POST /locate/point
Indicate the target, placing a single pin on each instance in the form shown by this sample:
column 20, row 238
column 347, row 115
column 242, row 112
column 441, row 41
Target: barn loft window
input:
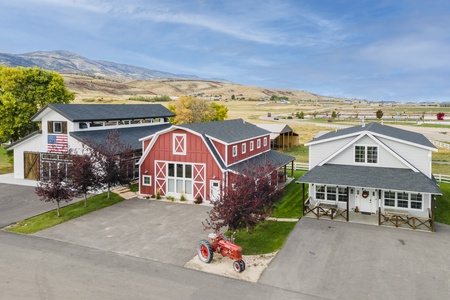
column 366, row 154
column 258, row 143
column 179, row 144
column 56, row 127
column 265, row 142
column 251, row 145
column 234, row 151
column 244, row 148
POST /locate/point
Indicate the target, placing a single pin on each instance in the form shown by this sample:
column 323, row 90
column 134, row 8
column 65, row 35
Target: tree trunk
column 85, row 199
column 57, row 208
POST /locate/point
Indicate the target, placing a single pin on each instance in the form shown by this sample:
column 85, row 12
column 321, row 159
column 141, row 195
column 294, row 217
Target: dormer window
column 234, row 151
column 244, row 148
column 251, row 145
column 265, row 141
column 258, row 143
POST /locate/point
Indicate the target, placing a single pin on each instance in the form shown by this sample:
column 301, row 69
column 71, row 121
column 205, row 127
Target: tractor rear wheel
column 239, row 265
column 205, row 251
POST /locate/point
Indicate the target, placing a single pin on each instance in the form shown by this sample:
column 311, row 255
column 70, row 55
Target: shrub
column 199, row 200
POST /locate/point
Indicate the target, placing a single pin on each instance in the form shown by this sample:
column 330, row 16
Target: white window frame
column 177, row 144
column 60, row 126
column 234, row 151
column 149, row 177
column 252, row 144
column 244, row 148
column 366, row 155
column 258, row 143
column 265, row 141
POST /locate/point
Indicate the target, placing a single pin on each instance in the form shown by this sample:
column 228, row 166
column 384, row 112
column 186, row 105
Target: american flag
column 57, row 143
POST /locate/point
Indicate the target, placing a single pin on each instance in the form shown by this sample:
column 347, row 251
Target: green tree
column 334, row 114
column 23, row 91
column 379, row 114
column 194, row 110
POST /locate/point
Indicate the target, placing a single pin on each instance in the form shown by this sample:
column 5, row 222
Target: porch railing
column 402, row 219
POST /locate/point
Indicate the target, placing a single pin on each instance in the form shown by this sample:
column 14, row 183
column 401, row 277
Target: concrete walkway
column 9, row 179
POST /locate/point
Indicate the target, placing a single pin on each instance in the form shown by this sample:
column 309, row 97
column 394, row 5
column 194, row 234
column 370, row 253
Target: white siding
column 320, row 152
column 36, row 144
column 385, row 158
column 418, row 157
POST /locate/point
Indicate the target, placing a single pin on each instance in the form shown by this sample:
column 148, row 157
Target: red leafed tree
column 113, row 160
column 85, row 177
column 440, row 116
column 247, row 201
column 55, row 189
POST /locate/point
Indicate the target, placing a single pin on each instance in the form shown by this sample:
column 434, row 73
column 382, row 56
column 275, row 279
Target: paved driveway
column 20, row 202
column 161, row 231
column 339, row 260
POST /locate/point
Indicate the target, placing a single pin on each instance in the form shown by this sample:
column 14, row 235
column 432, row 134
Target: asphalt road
column 39, row 268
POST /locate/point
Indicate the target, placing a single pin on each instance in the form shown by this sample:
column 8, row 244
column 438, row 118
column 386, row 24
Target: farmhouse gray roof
column 272, row 158
column 371, row 177
column 228, row 131
column 376, row 128
column 107, row 112
column 128, row 135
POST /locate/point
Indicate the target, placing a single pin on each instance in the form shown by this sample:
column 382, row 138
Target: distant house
column 199, row 160
column 67, row 126
column 372, row 169
column 281, row 135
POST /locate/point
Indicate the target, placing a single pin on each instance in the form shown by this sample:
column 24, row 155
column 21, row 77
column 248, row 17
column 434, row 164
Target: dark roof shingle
column 397, row 133
column 371, row 177
column 228, row 131
column 107, row 112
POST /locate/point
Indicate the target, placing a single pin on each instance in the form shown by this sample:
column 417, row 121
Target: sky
column 384, row 50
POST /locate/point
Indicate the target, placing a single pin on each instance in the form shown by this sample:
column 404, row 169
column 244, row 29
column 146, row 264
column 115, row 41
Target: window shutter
column 64, row 127
column 49, row 126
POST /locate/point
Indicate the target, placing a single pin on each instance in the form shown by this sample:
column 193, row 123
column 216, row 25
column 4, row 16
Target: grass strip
column 442, row 211
column 265, row 238
column 69, row 212
column 291, row 204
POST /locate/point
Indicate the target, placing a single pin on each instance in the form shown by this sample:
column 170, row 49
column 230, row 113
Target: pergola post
column 433, row 204
column 303, row 198
column 348, row 203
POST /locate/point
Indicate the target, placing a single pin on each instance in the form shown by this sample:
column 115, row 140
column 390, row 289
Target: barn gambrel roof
column 228, row 131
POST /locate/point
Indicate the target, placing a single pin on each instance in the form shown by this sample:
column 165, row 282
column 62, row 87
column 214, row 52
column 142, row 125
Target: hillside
column 87, row 87
column 66, row 62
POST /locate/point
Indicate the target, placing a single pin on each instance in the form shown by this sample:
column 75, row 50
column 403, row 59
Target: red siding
column 221, row 149
column 196, row 152
column 248, row 153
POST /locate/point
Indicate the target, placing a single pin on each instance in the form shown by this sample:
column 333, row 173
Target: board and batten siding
column 242, row 156
column 196, row 152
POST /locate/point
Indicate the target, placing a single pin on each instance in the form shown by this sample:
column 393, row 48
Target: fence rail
column 301, row 166
column 440, row 144
column 442, row 177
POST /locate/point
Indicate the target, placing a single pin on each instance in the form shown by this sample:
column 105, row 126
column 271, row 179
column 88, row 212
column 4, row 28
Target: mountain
column 66, row 62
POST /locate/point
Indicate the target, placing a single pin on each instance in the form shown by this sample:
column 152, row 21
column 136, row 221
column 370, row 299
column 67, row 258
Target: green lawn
column 5, row 165
column 290, row 205
column 267, row 237
column 442, row 212
column 68, row 212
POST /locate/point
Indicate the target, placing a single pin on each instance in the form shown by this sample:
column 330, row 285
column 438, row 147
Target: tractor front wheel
column 239, row 265
column 205, row 251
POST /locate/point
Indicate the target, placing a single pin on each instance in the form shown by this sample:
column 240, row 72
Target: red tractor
column 222, row 244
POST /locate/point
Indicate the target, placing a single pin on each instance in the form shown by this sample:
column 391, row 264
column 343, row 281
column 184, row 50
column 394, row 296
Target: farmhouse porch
column 383, row 196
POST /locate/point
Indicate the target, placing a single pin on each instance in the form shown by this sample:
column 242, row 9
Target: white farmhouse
column 372, row 170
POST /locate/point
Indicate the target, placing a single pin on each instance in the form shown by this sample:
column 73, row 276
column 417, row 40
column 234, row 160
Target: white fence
column 301, row 166
column 442, row 178
column 440, row 144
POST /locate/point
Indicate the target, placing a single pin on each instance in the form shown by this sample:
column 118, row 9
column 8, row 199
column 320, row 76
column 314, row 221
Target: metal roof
column 128, row 135
column 106, row 112
column 271, row 157
column 371, row 177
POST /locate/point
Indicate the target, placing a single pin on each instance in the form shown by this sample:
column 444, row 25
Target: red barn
column 197, row 160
